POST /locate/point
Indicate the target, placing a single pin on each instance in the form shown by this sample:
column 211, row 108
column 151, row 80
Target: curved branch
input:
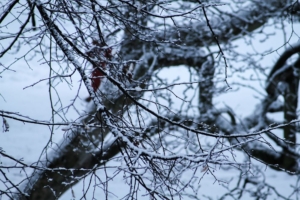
column 20, row 32
column 229, row 27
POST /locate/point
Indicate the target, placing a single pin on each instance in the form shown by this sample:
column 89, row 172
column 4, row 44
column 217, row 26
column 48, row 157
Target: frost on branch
column 155, row 74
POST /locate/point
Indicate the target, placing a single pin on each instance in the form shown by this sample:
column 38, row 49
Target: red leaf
column 97, row 76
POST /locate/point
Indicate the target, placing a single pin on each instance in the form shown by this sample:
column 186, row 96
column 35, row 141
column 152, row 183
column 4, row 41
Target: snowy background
column 26, row 141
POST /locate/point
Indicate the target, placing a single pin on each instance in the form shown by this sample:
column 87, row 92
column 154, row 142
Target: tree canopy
column 154, row 72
